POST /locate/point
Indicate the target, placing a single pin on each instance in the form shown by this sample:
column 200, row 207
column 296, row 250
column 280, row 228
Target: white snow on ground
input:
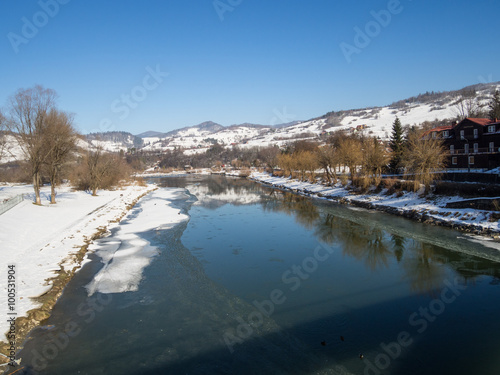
column 39, row 240
column 433, row 207
column 126, row 254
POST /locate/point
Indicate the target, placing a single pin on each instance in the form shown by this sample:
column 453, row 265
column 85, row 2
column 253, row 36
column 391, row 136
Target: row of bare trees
column 363, row 160
column 45, row 134
column 469, row 104
column 48, row 140
column 360, row 157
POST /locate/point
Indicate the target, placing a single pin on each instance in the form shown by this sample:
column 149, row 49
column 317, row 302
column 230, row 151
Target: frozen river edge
column 46, row 245
column 429, row 210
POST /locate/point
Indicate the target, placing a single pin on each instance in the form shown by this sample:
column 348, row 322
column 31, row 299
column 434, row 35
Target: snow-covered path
column 38, row 241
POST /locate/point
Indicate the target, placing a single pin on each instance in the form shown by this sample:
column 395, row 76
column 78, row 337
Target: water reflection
column 424, row 268
column 367, row 241
column 215, row 192
column 177, row 320
column 365, row 244
column 398, row 245
column 301, row 208
column 377, row 240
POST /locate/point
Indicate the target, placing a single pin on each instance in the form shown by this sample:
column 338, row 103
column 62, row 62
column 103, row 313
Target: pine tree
column 397, row 143
column 494, row 106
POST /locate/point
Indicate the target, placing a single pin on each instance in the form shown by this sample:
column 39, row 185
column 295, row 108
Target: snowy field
column 39, row 241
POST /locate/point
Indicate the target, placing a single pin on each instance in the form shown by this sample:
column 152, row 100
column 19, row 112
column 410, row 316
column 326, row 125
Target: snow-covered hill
column 376, row 121
column 11, row 150
column 115, row 141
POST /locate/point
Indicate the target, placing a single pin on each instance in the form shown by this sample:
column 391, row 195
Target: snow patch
column 40, row 240
column 126, row 253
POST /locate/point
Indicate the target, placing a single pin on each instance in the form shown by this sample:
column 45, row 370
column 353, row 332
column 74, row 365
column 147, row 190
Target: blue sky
column 161, row 65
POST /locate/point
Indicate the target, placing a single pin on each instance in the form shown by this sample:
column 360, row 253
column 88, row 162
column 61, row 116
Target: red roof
column 480, row 121
column 438, row 129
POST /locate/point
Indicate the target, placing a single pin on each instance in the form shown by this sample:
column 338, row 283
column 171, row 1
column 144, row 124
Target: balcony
column 484, row 150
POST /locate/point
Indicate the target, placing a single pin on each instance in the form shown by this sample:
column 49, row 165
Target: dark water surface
column 260, row 281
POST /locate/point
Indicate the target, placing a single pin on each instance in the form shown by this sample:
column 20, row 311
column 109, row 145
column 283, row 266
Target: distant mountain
column 278, row 126
column 375, row 121
column 248, row 125
column 209, row 126
column 115, row 141
column 150, row 134
column 206, row 127
column 432, row 107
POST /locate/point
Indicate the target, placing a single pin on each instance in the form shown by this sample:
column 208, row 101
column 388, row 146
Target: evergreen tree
column 494, row 106
column 397, row 144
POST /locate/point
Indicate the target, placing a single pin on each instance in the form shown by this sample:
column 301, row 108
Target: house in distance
column 473, row 143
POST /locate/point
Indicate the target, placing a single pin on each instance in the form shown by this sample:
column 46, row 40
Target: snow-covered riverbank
column 42, row 242
column 412, row 205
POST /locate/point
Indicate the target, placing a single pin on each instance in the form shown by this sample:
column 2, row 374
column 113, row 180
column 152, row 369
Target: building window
column 476, row 148
column 491, row 128
column 462, row 134
column 492, row 147
column 452, row 149
column 471, row 160
column 454, row 160
column 466, row 148
column 434, row 135
column 445, row 134
column 476, row 133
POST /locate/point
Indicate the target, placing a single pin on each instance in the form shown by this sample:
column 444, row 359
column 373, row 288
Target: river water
column 261, row 281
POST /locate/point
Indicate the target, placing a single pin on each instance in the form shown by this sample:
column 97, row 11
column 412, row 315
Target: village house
column 473, row 143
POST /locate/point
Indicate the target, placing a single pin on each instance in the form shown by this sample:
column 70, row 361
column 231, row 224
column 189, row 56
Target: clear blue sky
column 258, row 61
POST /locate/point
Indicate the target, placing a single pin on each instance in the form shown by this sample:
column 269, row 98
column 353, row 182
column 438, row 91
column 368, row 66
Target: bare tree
column 285, row 162
column 60, row 142
column 351, row 154
column 467, row 105
column 424, row 159
column 328, row 160
column 99, row 165
column 269, row 155
column 307, row 162
column 375, row 159
column 28, row 111
column 3, row 138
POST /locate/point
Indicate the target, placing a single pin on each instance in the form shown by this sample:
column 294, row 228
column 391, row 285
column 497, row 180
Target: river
column 262, row 281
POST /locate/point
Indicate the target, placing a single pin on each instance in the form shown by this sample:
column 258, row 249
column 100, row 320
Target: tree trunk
column 94, row 191
column 36, row 187
column 327, row 173
column 52, row 194
column 52, row 190
column 53, row 182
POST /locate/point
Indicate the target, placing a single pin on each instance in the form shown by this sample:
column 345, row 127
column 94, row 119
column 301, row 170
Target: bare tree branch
column 467, row 105
column 60, row 141
column 28, row 112
column 3, row 138
column 424, row 159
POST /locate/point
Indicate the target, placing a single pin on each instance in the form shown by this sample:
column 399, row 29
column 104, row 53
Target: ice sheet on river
column 177, row 319
column 125, row 254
